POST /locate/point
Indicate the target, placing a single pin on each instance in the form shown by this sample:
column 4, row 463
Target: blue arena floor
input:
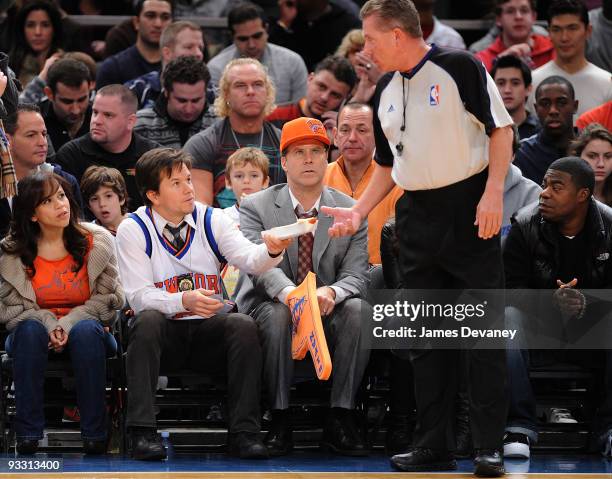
column 569, row 464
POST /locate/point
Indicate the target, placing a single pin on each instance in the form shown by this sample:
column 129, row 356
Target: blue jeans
column 522, row 413
column 88, row 346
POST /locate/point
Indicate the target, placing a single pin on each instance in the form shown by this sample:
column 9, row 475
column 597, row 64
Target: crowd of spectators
column 186, row 153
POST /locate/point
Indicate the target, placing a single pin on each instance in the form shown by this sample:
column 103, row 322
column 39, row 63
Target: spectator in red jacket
column 515, row 18
column 601, row 114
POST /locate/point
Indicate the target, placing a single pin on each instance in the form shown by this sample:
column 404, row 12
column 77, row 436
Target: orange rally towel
column 307, row 331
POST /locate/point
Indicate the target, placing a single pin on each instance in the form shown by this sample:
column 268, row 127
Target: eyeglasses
column 246, row 38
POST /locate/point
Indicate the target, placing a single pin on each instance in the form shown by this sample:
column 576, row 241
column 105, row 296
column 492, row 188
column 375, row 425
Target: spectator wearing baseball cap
column 304, row 130
column 341, row 267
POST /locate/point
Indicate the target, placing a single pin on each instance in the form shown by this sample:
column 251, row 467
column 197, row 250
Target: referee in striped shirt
column 444, row 136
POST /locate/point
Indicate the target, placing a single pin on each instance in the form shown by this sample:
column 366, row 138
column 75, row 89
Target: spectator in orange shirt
column 516, row 18
column 352, row 171
column 60, row 287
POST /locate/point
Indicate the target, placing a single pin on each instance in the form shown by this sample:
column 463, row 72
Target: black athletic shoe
column 489, row 463
column 424, row 460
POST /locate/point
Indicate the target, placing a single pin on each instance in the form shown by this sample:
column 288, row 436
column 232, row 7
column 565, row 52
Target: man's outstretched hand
column 346, row 221
column 275, row 245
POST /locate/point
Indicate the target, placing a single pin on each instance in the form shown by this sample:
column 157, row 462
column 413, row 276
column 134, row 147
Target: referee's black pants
column 440, row 249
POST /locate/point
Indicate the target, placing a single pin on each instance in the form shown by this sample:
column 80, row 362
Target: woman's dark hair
column 20, row 46
column 594, row 131
column 23, row 236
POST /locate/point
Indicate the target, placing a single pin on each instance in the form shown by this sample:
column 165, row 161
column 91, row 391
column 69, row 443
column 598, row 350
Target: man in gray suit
column 341, row 267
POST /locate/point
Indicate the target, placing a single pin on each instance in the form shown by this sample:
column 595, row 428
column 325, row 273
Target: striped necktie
column 175, row 235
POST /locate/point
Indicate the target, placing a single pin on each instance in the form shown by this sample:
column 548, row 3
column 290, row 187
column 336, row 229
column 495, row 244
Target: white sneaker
column 560, row 416
column 516, row 445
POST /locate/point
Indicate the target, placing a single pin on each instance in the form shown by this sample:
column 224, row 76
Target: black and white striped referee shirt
column 452, row 105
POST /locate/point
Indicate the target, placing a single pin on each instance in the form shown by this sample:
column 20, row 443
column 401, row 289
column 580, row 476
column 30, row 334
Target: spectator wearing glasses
column 249, row 29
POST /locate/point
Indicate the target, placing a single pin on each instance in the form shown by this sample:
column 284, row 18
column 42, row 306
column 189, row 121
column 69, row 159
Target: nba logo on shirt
column 434, row 95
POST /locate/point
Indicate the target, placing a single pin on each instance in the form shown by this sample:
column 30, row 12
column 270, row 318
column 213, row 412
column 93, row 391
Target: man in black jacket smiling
column 562, row 244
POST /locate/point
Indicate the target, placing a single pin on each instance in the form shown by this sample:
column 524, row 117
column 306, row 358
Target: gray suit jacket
column 339, row 262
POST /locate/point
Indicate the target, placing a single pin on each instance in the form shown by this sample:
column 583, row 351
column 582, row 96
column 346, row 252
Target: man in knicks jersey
column 170, row 254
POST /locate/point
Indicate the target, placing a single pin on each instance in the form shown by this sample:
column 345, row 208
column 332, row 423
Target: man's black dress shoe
column 27, row 446
column 279, row 439
column 489, row 463
column 147, row 445
column 341, row 435
column 424, row 460
column 246, row 445
column 94, row 448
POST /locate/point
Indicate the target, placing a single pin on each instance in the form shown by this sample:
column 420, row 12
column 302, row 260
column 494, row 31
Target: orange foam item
column 307, row 330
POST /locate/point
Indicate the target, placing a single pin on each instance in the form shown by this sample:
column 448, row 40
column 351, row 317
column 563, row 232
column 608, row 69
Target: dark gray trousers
column 344, row 340
column 224, row 345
